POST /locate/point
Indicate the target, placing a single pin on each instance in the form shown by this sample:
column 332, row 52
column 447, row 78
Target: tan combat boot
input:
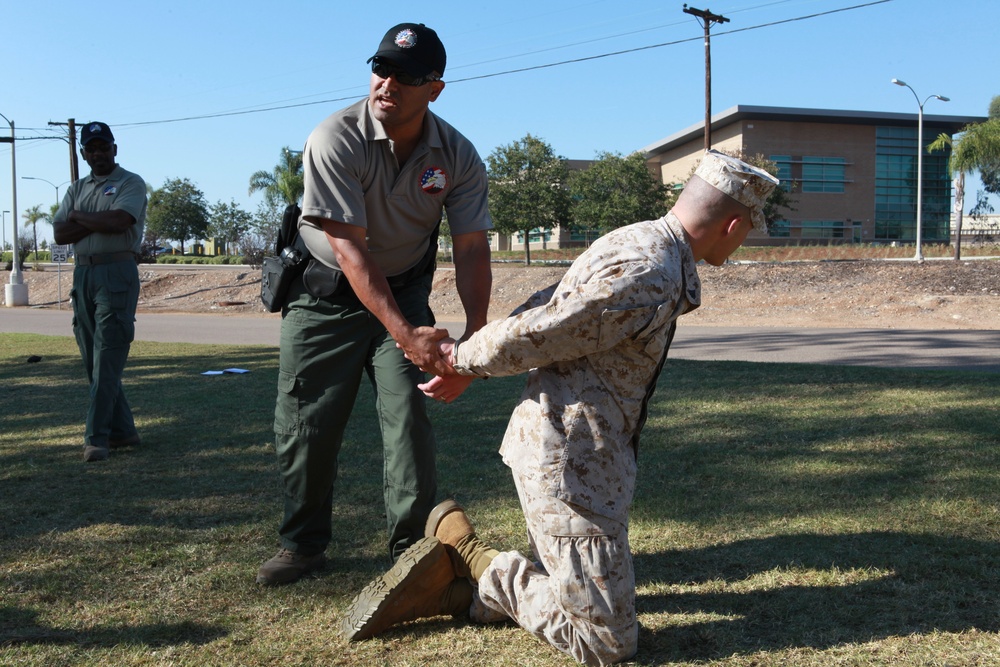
column 449, row 523
column 421, row 584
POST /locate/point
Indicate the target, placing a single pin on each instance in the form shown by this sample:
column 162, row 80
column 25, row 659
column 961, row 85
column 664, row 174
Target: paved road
column 890, row 348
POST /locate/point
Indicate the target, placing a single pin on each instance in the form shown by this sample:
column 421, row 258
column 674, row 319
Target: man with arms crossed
column 103, row 215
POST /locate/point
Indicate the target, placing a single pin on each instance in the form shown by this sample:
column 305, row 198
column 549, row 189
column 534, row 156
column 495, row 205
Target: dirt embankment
column 940, row 294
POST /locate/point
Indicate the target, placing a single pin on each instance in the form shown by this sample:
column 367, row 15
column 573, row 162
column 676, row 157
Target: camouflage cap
column 745, row 183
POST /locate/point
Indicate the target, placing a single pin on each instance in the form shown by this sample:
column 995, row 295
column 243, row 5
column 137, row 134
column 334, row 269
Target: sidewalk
column 968, row 350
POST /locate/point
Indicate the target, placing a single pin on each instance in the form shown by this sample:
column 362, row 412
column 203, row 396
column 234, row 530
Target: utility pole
column 707, row 19
column 74, row 164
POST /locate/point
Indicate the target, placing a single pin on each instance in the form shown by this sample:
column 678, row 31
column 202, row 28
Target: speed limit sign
column 60, row 253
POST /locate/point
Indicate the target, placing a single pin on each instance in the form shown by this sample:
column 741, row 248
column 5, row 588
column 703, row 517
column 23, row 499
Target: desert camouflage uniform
column 596, row 342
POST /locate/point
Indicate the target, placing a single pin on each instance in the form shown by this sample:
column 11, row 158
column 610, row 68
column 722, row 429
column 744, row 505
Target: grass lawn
column 786, row 515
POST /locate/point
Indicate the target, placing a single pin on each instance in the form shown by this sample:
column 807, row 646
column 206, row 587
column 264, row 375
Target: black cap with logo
column 415, row 48
column 96, row 130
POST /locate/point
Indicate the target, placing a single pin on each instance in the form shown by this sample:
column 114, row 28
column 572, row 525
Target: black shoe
column 130, row 441
column 91, row 453
column 288, row 566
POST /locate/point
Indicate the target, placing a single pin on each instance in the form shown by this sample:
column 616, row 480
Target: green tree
column 228, row 222
column 23, row 249
column 976, row 149
column 285, row 183
column 258, row 242
column 528, row 188
column 616, row 191
column 32, row 217
column 177, row 211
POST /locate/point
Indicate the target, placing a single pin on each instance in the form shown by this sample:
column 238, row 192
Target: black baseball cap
column 414, row 47
column 96, row 130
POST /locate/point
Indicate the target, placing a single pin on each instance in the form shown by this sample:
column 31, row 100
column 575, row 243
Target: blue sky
column 143, row 66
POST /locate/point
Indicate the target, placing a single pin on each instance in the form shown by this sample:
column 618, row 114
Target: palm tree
column 977, row 149
column 285, row 184
column 31, row 217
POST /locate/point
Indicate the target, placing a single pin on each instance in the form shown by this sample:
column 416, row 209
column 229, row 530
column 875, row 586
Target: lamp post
column 35, row 178
column 920, row 159
column 16, row 293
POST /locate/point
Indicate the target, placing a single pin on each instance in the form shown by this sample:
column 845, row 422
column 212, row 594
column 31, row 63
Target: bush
column 36, row 257
column 147, row 253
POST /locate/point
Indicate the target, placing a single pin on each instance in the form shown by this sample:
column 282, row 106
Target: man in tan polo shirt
column 103, row 214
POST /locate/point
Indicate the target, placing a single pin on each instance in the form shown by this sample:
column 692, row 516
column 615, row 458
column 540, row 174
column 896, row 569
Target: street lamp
column 35, row 178
column 16, row 293
column 920, row 159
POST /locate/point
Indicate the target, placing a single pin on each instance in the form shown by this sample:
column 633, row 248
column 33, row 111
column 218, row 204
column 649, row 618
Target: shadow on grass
column 916, row 584
column 729, row 448
column 20, row 627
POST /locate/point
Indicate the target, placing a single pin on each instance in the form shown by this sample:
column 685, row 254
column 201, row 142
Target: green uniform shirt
column 119, row 190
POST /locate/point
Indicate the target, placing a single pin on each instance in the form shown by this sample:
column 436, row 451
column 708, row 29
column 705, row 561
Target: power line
column 225, row 114
column 673, row 43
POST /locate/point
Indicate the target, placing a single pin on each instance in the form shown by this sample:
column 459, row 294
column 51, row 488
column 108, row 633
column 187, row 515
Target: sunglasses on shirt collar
column 384, row 70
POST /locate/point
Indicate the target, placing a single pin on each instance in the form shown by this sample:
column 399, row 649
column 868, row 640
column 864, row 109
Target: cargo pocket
column 286, row 408
column 120, row 328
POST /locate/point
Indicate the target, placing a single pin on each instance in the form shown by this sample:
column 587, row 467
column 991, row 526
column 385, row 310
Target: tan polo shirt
column 119, row 190
column 351, row 176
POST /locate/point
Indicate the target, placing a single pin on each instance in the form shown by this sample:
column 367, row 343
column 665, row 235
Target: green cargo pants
column 326, row 345
column 104, row 301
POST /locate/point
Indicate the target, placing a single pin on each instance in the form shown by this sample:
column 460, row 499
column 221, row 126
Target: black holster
column 291, row 257
column 321, row 281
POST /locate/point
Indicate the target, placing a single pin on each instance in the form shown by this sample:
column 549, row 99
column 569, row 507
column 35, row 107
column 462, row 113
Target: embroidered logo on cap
column 95, row 128
column 110, row 191
column 406, row 38
column 434, row 180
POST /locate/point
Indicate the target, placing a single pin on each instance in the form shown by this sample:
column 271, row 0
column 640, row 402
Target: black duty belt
column 105, row 258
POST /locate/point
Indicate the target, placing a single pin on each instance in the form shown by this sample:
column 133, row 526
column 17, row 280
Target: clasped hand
column 447, row 384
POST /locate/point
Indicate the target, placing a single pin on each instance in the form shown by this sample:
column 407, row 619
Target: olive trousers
column 327, row 344
column 104, row 300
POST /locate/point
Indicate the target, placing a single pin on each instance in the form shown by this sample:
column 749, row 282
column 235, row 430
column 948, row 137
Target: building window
column 784, row 163
column 822, row 174
column 896, row 187
column 586, row 236
column 536, row 235
column 780, row 229
column 822, row 229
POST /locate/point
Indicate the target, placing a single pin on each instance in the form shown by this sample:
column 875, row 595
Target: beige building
column 851, row 174
column 981, row 229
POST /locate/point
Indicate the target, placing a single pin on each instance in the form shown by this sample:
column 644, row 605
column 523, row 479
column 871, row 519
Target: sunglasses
column 93, row 148
column 384, row 70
